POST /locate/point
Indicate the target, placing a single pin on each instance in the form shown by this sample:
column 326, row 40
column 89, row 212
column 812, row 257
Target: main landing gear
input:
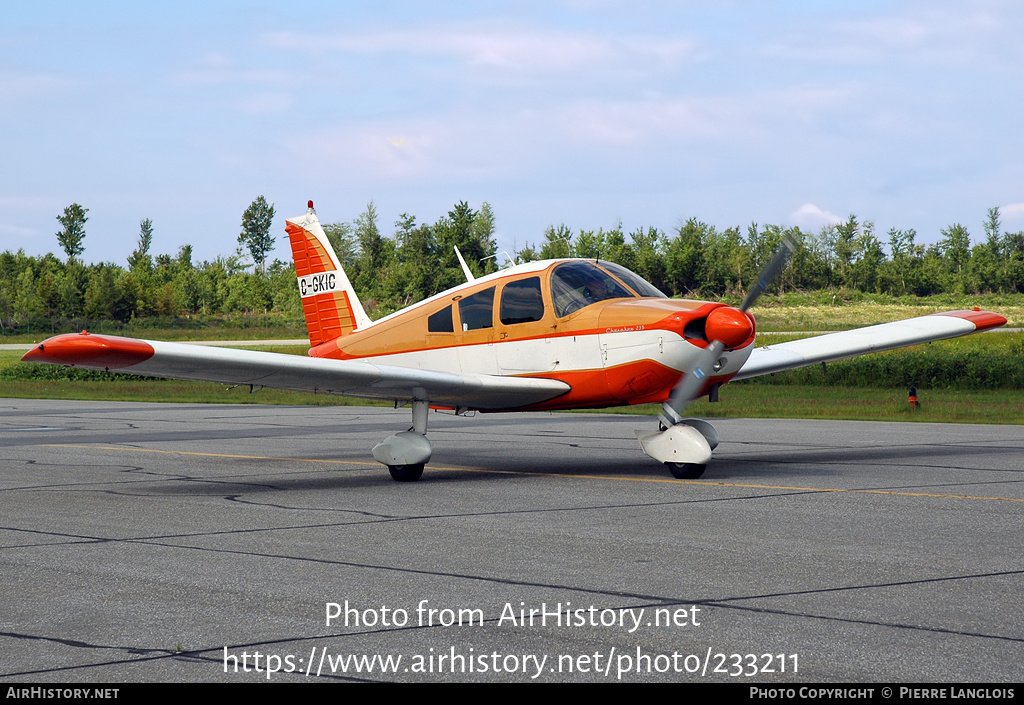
column 407, row 452
column 683, row 445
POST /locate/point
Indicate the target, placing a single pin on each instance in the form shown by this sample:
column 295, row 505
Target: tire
column 686, row 471
column 406, row 473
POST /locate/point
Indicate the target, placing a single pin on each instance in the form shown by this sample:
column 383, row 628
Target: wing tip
column 88, row 350
column 982, row 320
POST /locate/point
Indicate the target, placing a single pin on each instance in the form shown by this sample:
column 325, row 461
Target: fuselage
column 598, row 327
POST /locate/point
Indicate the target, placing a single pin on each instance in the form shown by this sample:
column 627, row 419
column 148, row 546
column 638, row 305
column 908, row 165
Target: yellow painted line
column 707, row 483
column 208, row 455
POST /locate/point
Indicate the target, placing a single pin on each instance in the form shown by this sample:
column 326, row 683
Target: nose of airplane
column 730, row 325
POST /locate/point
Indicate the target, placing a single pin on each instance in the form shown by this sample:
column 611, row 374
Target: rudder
column 329, row 302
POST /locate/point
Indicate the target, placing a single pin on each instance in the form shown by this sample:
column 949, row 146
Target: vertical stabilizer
column 329, row 302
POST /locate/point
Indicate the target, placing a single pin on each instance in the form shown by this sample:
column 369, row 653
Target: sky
column 583, row 112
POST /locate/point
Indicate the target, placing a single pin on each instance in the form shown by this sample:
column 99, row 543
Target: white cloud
column 17, row 86
column 218, row 70
column 530, row 50
column 632, row 122
column 1012, row 212
column 934, row 34
column 811, row 218
column 266, row 103
column 16, row 231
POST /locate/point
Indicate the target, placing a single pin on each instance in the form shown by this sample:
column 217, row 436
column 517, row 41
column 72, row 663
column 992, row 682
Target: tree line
column 699, row 261
column 418, row 259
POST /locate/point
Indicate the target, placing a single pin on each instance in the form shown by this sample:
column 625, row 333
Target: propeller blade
column 690, row 384
column 768, row 274
column 695, row 378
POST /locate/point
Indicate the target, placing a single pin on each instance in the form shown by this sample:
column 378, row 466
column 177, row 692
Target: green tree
column 26, row 302
column 72, row 231
column 461, row 228
column 868, row 258
column 990, row 262
column 483, row 233
column 371, row 242
column 416, row 273
column 369, row 275
column 255, row 235
column 905, row 258
column 343, row 242
column 101, row 295
column 992, row 226
column 140, row 261
column 557, row 242
column 684, row 259
column 955, row 247
column 649, row 259
column 617, row 250
column 1012, row 245
column 808, row 265
column 527, row 253
column 72, row 290
column 723, row 257
column 589, row 244
column 842, row 239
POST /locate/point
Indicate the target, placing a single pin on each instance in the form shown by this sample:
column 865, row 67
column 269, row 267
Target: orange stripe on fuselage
column 593, row 388
column 538, row 330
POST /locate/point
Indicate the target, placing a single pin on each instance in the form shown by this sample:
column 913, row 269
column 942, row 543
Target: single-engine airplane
column 554, row 334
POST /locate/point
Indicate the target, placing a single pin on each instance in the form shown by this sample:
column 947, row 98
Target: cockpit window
column 633, row 281
column 521, row 302
column 578, row 284
column 476, row 311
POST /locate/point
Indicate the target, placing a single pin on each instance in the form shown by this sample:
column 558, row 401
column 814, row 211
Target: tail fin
column 330, row 303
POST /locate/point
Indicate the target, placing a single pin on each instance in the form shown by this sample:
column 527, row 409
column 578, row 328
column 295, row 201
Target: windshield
column 634, row 281
column 578, row 284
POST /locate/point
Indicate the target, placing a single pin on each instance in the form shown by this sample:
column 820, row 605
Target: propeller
column 725, row 327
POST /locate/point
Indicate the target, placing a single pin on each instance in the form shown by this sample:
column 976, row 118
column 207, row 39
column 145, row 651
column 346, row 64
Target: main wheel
column 685, row 471
column 407, row 473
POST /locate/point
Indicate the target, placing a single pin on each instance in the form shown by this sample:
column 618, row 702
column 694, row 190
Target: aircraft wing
column 356, row 378
column 850, row 343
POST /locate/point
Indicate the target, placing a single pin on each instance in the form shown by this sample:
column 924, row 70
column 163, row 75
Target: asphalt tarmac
column 167, row 542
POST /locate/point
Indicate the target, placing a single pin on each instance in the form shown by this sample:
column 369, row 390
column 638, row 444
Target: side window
column 477, row 311
column 441, row 322
column 521, row 302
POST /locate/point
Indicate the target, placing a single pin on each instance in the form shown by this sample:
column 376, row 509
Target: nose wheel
column 682, row 471
column 406, row 473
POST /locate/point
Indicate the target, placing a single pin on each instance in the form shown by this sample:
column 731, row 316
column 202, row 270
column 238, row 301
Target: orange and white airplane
column 554, row 334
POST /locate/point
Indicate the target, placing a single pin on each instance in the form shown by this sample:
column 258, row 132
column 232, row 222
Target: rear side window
column 477, row 311
column 521, row 302
column 441, row 322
